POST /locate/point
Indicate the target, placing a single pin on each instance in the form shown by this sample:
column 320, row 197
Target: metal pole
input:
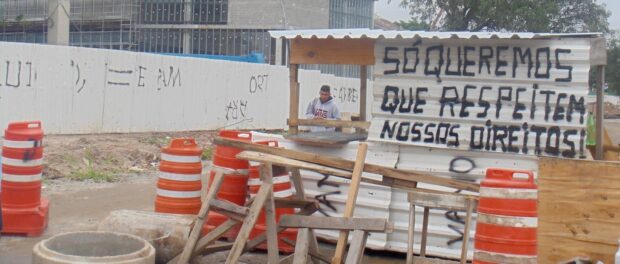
column 600, row 112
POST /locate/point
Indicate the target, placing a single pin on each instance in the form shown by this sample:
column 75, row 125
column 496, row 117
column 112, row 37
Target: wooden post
column 242, row 238
column 351, row 199
column 363, row 91
column 302, row 246
column 197, row 229
column 294, row 99
column 356, row 250
column 411, row 231
column 266, row 175
column 301, row 194
column 600, row 112
column 424, row 232
column 470, row 208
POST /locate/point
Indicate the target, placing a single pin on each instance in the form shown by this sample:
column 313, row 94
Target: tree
column 612, row 70
column 413, row 24
column 561, row 16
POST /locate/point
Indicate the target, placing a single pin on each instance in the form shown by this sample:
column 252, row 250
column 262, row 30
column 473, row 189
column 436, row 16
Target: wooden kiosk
column 329, row 51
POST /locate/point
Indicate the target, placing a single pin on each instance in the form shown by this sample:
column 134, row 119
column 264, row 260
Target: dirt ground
column 103, row 157
column 88, row 176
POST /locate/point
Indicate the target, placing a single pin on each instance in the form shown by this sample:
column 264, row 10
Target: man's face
column 324, row 96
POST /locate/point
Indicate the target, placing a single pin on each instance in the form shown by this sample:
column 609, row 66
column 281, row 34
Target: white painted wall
column 79, row 90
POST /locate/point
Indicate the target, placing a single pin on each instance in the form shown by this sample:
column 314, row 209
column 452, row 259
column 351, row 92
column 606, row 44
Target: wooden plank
column 287, row 260
column 363, row 92
column 326, row 138
column 204, row 209
column 333, row 51
column 262, row 157
column 293, row 98
column 578, row 210
column 315, row 254
column 302, row 246
column 465, row 246
column 356, row 249
column 440, row 200
column 335, row 223
column 266, row 175
column 330, row 123
column 600, row 111
column 256, row 240
column 343, row 164
column 215, row 234
column 297, row 183
column 349, row 206
column 229, row 209
column 238, row 247
column 424, row 232
column 262, row 237
column 295, row 203
column 301, row 194
column 410, row 230
column 208, row 239
column 217, row 248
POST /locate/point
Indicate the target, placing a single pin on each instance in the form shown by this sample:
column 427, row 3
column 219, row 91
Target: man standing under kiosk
column 323, row 107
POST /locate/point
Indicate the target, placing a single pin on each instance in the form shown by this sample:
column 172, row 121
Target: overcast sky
column 393, row 12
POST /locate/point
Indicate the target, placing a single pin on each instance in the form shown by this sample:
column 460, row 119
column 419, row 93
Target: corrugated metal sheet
column 483, row 95
column 382, row 34
column 373, row 200
column 378, row 201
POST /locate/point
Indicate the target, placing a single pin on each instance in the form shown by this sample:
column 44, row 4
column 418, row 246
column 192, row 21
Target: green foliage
column 207, row 153
column 560, row 16
column 158, row 141
column 413, row 24
column 612, row 70
column 94, row 175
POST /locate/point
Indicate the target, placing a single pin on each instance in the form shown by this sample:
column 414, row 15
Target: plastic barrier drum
column 23, row 209
column 282, row 188
column 507, row 218
column 179, row 184
column 234, row 186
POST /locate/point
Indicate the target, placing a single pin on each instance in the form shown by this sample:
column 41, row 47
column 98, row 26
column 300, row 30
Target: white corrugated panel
column 80, row 90
column 377, row 201
column 357, row 33
column 517, row 96
column 457, row 107
column 373, row 200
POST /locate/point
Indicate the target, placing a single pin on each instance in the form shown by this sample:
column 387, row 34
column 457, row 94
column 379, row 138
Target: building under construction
column 214, row 27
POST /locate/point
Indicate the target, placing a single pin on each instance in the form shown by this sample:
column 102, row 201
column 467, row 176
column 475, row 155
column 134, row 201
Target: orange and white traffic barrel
column 234, row 185
column 24, row 211
column 179, row 184
column 507, row 218
column 282, row 188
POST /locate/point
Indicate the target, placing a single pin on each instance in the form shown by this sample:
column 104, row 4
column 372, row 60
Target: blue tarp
column 251, row 58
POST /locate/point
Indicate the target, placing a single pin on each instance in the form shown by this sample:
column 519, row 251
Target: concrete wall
column 79, row 90
column 269, row 14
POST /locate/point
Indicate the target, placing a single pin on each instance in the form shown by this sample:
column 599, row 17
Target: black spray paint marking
column 120, row 73
column 141, row 76
column 259, row 83
column 236, row 109
column 78, row 77
column 17, row 76
column 170, row 78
